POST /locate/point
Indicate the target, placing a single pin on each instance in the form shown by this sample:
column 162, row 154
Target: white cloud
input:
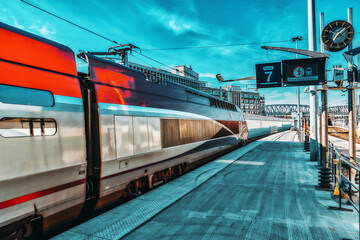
column 16, row 23
column 176, row 22
column 182, row 25
column 44, row 30
column 173, row 25
column 209, row 75
column 225, row 51
column 280, row 96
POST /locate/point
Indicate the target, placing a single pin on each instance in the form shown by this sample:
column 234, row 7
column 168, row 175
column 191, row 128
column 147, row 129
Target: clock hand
column 336, row 35
column 341, row 34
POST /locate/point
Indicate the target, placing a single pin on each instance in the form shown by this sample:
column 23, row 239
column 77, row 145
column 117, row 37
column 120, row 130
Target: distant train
column 73, row 143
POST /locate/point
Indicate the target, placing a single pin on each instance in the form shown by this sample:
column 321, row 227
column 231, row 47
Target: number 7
column 268, row 78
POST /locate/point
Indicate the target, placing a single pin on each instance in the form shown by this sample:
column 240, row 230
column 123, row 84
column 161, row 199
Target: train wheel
column 150, row 181
column 23, row 231
column 17, row 234
column 132, row 189
column 28, row 230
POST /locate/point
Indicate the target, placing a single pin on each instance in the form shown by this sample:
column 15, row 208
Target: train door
column 42, row 140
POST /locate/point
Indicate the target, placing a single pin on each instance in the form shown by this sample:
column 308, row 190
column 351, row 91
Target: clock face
column 337, row 35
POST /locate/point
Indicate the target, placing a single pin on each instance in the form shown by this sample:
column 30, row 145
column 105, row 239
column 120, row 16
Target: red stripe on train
column 113, row 76
column 106, row 94
column 38, row 194
column 39, row 52
column 23, row 76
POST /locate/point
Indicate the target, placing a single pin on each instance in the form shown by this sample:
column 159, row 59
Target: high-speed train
column 73, row 143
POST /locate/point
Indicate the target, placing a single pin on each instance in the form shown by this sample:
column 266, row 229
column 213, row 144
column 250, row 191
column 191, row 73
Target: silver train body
column 74, row 143
column 264, row 125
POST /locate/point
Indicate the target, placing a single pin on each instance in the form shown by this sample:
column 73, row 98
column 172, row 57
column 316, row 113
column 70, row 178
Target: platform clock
column 337, row 35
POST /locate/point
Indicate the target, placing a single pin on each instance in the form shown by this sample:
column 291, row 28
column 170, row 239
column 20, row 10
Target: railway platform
column 263, row 190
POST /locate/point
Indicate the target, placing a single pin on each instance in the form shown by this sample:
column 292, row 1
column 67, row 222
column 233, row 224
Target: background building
column 251, row 102
column 185, row 71
column 247, row 101
column 180, row 74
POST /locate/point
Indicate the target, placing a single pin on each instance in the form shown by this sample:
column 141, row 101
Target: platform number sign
column 268, row 75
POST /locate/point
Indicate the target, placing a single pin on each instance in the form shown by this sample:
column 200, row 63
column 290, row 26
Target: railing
column 342, row 171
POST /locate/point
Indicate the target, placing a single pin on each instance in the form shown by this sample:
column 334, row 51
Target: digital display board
column 304, row 72
column 268, row 75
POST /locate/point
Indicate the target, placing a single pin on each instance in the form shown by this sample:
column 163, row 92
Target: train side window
column 141, row 141
column 154, row 134
column 25, row 96
column 27, row 127
column 124, row 136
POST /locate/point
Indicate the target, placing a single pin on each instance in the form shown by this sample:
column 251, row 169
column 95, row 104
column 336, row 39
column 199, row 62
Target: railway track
column 342, row 133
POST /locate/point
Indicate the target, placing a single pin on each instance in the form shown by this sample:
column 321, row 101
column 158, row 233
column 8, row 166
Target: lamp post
column 313, row 97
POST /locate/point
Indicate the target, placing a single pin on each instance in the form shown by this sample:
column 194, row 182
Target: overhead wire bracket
column 298, row 51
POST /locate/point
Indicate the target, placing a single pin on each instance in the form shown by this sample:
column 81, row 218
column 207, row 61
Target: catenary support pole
column 313, row 102
column 125, row 58
column 324, row 129
column 324, row 171
column 324, row 113
column 319, row 116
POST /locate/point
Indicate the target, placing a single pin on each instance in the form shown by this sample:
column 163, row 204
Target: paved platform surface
column 264, row 190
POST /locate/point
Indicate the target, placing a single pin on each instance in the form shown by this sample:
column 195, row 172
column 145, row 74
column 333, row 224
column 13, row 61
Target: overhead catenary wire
column 214, row 46
column 158, row 49
column 221, row 45
column 155, row 49
column 154, row 60
column 72, row 23
column 86, row 29
column 147, row 64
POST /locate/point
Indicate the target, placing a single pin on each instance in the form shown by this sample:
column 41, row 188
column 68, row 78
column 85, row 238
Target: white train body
column 73, row 143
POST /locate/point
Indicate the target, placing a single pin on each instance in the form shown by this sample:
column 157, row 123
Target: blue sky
column 155, row 24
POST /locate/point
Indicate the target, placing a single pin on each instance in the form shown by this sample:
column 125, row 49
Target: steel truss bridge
column 287, row 109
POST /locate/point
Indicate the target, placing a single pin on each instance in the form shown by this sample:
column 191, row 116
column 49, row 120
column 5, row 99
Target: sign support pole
column 313, row 102
column 298, row 101
column 298, row 113
column 296, row 40
column 320, row 116
column 351, row 107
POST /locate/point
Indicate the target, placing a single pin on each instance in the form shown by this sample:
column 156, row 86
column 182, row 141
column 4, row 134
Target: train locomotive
column 73, row 143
